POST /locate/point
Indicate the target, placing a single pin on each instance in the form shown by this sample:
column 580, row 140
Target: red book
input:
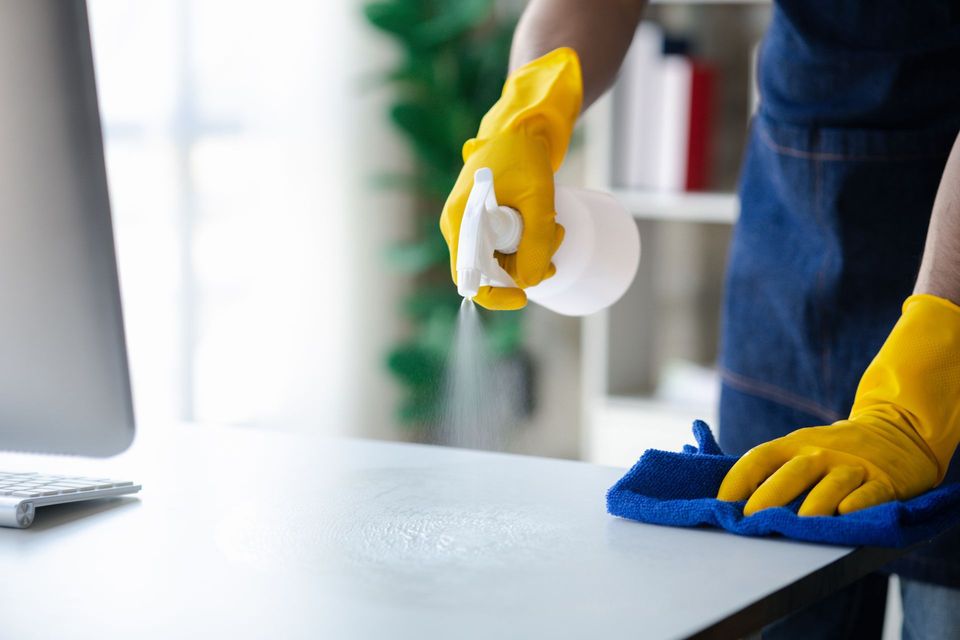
column 700, row 125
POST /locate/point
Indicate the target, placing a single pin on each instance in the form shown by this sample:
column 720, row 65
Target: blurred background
column 277, row 172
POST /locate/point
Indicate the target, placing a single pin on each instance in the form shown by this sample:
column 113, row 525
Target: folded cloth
column 679, row 490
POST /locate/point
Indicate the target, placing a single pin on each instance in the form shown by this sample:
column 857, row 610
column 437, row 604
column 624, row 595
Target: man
column 848, row 181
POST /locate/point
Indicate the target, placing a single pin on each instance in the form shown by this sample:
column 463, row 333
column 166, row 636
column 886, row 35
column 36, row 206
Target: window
column 226, row 129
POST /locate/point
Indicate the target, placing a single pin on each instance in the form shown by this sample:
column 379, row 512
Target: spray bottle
column 596, row 261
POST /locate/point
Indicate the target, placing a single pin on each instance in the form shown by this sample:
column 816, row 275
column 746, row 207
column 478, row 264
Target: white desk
column 291, row 537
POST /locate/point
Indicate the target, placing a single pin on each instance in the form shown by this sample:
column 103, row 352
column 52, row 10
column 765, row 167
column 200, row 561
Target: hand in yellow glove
column 898, row 441
column 523, row 140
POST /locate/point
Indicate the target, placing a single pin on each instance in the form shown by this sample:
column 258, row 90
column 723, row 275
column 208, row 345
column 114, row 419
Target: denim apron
column 860, row 105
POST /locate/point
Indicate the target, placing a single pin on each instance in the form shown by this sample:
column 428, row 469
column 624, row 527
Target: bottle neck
column 506, row 226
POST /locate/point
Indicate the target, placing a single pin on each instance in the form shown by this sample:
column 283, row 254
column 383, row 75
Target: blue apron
column 860, row 105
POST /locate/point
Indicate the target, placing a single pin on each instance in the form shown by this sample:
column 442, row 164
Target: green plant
column 455, row 55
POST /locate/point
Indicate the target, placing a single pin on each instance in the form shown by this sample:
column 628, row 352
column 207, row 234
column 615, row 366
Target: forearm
column 599, row 31
column 940, row 269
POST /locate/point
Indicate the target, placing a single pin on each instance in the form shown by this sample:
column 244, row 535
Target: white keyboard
column 22, row 493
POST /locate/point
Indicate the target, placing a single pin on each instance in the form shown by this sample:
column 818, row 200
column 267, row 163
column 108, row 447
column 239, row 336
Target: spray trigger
column 486, row 228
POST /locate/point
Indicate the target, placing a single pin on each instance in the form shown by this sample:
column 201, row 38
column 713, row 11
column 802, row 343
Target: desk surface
column 250, row 534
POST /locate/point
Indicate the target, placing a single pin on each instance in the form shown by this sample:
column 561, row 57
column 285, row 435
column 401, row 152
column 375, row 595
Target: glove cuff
column 543, row 97
column 915, row 378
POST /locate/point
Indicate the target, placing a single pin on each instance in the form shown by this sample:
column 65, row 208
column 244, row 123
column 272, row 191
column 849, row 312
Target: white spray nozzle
column 485, row 229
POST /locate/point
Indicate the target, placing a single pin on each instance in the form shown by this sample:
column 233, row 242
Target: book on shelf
column 663, row 117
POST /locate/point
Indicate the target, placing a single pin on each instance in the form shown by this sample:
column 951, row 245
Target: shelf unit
column 707, row 207
column 709, row 2
column 684, row 237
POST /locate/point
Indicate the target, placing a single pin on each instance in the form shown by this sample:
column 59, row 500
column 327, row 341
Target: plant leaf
column 422, row 302
column 428, row 127
column 417, row 257
column 415, row 365
column 397, row 18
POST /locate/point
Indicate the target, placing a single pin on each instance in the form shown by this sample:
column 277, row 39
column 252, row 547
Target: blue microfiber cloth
column 679, row 490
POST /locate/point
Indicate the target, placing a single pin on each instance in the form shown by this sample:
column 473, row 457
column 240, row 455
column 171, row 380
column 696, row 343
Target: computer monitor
column 64, row 381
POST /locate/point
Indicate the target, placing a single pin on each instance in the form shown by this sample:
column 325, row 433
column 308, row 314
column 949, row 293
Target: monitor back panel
column 64, row 382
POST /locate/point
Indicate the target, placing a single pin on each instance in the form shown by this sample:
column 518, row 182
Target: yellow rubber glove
column 523, row 140
column 897, row 442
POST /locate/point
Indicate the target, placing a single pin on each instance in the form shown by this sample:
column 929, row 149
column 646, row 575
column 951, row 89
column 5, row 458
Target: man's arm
column 565, row 54
column 599, row 31
column 940, row 269
column 904, row 425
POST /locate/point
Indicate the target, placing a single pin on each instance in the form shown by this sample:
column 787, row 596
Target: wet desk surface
column 250, row 534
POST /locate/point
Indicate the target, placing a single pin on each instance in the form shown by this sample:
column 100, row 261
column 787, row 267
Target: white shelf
column 708, row 207
column 639, row 405
column 622, row 428
column 710, row 1
column 617, row 429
